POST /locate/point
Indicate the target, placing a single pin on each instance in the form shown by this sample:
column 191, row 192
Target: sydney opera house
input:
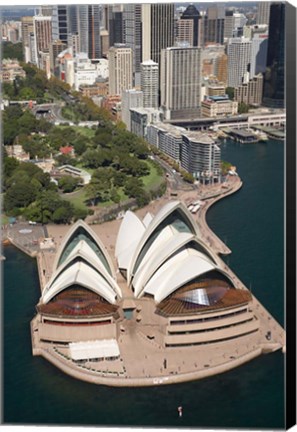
column 164, row 308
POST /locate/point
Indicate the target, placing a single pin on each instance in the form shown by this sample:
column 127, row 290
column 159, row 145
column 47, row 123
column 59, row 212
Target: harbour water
column 251, row 396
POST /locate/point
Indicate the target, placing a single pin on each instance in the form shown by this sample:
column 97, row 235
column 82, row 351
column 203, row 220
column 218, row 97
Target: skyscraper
column 259, row 37
column 181, row 82
column 185, row 31
column 115, row 24
column 263, row 12
column 274, row 78
column 239, row 59
column 56, row 47
column 27, row 28
column 132, row 36
column 88, row 26
column 130, row 99
column 193, row 15
column 150, row 83
column 42, row 34
column 120, row 69
column 60, row 23
column 214, row 24
column 157, row 29
column 94, row 14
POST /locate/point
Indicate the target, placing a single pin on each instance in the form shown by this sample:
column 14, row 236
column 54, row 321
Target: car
column 32, row 223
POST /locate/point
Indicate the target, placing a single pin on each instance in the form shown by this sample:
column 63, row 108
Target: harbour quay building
column 195, row 151
column 164, row 292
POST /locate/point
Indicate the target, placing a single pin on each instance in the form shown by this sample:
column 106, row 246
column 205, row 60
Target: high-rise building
column 94, row 15
column 221, row 68
column 88, row 24
column 251, row 92
column 72, row 11
column 130, row 99
column 184, row 31
column 45, row 10
column 150, row 83
column 27, row 28
column 60, row 23
column 42, row 34
column 132, row 36
column 55, row 48
column 157, row 29
column 200, row 156
column 192, row 14
column 32, row 48
column 120, row 58
column 104, row 42
column 214, row 24
column 229, row 24
column 44, row 63
column 263, row 12
column 74, row 43
column 239, row 59
column 259, row 38
column 274, row 78
column 181, row 82
column 115, row 24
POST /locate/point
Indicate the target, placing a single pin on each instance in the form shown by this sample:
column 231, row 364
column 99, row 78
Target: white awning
column 94, row 349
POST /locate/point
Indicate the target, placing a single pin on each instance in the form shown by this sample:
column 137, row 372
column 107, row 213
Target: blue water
column 251, row 396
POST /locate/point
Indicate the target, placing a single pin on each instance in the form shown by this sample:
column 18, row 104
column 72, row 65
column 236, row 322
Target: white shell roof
column 152, row 263
column 81, row 223
column 124, row 258
column 85, row 252
column 160, row 216
column 176, row 272
column 130, row 232
column 147, row 219
column 83, row 275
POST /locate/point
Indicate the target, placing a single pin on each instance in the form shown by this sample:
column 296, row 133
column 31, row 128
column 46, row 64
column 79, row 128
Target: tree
column 80, row 213
column 19, row 195
column 63, row 214
column 243, row 108
column 114, row 196
column 68, row 183
column 230, row 92
column 12, row 51
column 27, row 93
column 80, row 145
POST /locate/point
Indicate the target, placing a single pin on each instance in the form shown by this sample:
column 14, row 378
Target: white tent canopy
column 94, row 349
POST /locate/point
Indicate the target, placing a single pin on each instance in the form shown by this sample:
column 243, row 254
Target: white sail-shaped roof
column 124, row 258
column 152, row 263
column 130, row 232
column 80, row 224
column 85, row 253
column 147, row 219
column 165, row 211
column 176, row 272
column 83, row 275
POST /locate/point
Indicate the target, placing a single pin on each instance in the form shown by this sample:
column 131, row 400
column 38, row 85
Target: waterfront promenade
column 141, row 362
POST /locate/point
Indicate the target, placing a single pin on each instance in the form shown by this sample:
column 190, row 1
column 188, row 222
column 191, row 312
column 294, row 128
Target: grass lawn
column 4, row 219
column 84, row 131
column 152, row 180
column 68, row 114
column 77, row 198
column 89, row 170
